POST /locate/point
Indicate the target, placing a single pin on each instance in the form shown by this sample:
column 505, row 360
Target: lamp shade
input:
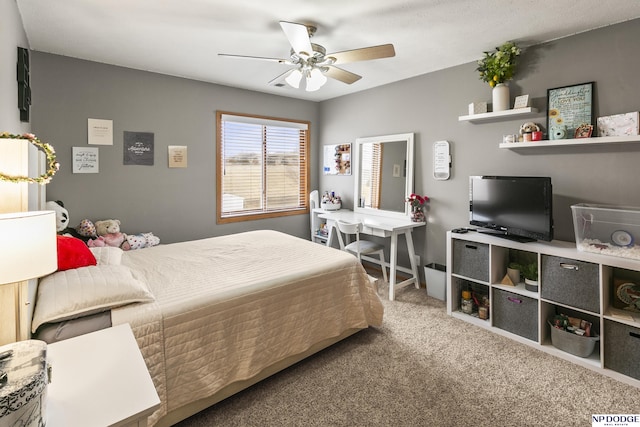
column 27, row 245
column 315, row 80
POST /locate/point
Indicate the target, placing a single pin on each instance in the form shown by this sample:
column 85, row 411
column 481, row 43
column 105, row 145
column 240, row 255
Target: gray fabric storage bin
column 471, row 259
column 515, row 313
column 621, row 348
column 570, row 282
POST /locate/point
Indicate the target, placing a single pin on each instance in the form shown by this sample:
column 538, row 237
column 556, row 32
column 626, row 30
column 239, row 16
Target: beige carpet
column 424, row 368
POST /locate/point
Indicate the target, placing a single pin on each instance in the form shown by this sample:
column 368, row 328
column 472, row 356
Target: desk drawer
column 375, row 231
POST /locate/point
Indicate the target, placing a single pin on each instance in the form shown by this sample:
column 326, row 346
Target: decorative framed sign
column 85, row 160
column 99, row 132
column 177, row 156
column 138, row 148
column 522, row 101
column 568, row 108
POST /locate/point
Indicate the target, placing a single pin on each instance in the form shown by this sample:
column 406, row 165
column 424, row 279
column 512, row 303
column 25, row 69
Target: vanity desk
column 383, row 179
column 381, row 226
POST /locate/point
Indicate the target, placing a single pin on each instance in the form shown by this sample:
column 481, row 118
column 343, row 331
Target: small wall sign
column 177, row 156
column 85, row 160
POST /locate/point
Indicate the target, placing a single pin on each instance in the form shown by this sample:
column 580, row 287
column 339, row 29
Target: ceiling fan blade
column 260, row 58
column 280, row 80
column 298, row 37
column 343, row 75
column 363, row 54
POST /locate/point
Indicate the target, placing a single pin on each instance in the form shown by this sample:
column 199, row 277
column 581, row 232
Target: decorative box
column 24, row 394
column 618, row 124
column 607, row 230
column 477, row 108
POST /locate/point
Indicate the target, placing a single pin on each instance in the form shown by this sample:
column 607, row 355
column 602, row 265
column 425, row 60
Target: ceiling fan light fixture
column 315, row 80
column 293, row 79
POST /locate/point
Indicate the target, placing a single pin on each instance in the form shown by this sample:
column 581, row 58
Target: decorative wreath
column 47, row 149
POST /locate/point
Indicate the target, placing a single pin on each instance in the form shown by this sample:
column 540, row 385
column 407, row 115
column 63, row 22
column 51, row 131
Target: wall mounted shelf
column 576, row 141
column 499, row 115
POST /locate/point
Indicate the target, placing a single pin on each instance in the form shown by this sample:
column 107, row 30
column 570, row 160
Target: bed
column 216, row 315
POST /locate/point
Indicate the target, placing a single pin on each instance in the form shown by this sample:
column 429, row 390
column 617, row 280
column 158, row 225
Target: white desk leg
column 392, row 265
column 412, row 257
column 329, row 234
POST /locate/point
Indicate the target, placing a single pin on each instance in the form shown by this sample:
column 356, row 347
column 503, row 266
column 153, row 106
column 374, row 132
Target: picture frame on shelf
column 521, row 101
column 569, row 107
column 584, row 131
column 625, row 293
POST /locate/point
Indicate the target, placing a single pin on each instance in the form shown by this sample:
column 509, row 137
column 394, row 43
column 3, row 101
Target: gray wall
column 175, row 204
column 429, row 105
column 12, row 36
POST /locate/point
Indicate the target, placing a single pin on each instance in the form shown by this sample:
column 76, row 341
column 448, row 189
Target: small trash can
column 435, row 278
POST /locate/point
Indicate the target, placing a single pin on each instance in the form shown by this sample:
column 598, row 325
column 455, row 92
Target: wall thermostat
column 441, row 160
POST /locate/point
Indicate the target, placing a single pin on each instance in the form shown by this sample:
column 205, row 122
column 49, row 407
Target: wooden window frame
column 223, row 218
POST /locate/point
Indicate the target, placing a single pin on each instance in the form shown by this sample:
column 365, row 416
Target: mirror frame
column 355, row 166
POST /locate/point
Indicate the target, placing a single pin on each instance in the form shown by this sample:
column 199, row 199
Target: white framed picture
column 85, row 160
column 99, row 132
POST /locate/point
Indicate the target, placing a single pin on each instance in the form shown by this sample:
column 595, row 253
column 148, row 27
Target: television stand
column 511, row 237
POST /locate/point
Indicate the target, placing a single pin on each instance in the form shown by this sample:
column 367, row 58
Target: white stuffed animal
column 140, row 241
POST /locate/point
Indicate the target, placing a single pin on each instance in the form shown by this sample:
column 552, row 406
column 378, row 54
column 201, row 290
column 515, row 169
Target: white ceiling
column 183, row 37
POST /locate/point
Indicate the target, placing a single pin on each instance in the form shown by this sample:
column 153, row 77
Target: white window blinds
column 262, row 166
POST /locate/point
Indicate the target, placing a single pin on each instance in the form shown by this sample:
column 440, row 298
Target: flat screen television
column 514, row 207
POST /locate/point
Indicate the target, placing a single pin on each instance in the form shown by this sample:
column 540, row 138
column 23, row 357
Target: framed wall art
column 568, row 108
column 337, row 159
column 85, row 160
column 138, row 148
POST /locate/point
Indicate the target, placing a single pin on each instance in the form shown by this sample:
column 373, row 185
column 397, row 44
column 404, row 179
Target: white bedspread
column 229, row 306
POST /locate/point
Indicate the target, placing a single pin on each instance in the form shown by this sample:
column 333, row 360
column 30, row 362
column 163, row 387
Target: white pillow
column 82, row 291
column 107, row 255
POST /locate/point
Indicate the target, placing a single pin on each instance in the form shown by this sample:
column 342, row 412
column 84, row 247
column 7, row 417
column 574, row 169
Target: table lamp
column 28, row 250
column 27, row 245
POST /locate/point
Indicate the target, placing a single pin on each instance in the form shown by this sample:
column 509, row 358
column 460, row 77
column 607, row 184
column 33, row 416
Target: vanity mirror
column 383, row 170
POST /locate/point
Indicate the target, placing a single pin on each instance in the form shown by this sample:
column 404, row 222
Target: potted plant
column 530, row 274
column 496, row 68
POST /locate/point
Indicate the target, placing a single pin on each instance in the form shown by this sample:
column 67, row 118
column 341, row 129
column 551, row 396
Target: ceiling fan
column 312, row 62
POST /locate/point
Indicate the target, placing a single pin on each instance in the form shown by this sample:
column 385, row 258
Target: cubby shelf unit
column 479, row 261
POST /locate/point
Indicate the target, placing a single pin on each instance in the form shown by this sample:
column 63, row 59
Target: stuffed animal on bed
column 140, row 241
column 108, row 232
column 87, row 229
column 62, row 214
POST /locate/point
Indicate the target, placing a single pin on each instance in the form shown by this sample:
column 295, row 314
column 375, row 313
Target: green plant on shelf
column 515, row 266
column 530, row 271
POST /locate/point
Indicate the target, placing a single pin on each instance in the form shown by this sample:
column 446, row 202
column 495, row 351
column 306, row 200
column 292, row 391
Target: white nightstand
column 99, row 379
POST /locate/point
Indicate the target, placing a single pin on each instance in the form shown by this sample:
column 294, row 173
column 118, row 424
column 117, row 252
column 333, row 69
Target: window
column 371, row 175
column 263, row 169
